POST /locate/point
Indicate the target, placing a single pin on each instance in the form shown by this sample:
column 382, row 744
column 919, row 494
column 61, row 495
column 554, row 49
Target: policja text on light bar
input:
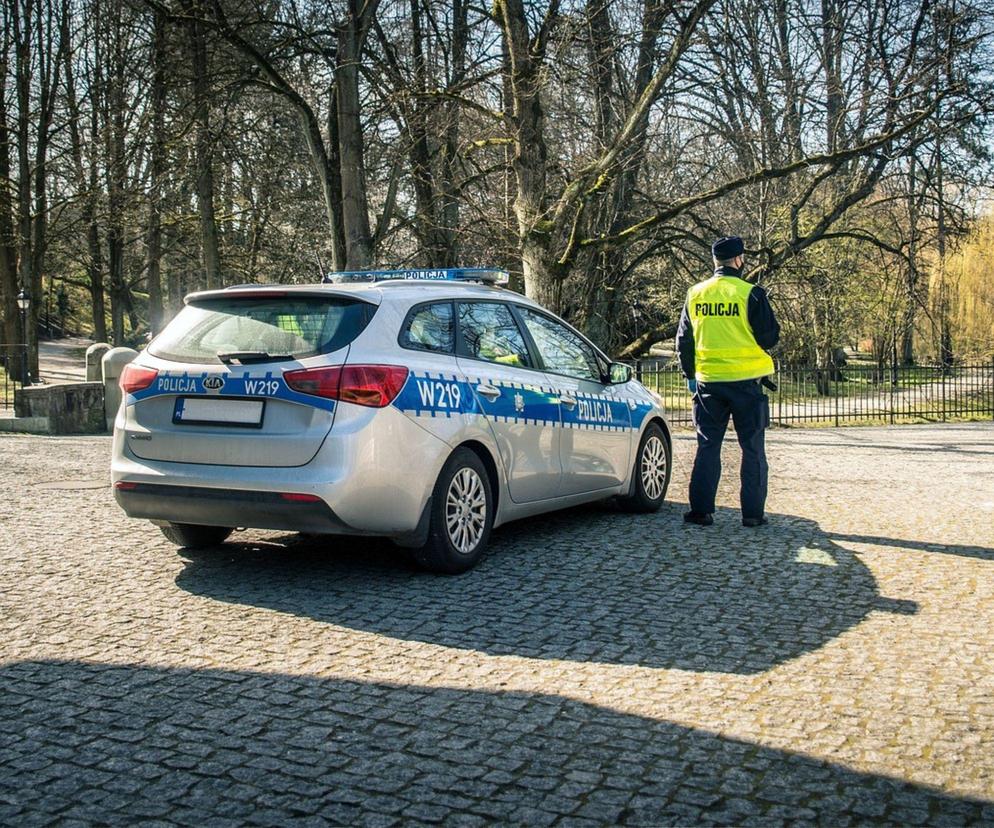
column 485, row 275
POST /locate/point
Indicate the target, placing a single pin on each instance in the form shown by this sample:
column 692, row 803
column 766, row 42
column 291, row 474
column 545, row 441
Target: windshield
column 284, row 327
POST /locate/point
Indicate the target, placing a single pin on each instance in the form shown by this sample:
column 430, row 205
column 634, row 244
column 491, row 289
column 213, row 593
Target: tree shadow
column 122, row 744
column 590, row 585
column 984, row 553
column 938, row 439
column 930, row 449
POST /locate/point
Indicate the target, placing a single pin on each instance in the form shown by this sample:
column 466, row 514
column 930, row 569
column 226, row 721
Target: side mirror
column 619, row 373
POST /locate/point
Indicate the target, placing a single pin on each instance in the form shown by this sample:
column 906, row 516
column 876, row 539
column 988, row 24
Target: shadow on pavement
column 934, row 442
column 590, row 585
column 973, row 451
column 984, row 553
column 118, row 745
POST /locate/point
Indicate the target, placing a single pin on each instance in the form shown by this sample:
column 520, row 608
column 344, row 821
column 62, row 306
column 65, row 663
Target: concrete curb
column 25, row 425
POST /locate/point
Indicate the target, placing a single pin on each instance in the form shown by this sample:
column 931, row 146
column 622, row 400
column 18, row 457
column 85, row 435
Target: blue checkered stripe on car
column 436, row 395
column 266, row 386
column 444, row 395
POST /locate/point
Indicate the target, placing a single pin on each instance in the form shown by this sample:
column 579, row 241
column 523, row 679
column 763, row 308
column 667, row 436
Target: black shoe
column 754, row 521
column 698, row 517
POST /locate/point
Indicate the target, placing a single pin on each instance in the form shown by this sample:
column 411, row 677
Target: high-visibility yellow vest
column 289, row 324
column 725, row 348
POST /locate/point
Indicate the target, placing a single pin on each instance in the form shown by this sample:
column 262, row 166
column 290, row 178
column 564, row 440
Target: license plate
column 219, row 412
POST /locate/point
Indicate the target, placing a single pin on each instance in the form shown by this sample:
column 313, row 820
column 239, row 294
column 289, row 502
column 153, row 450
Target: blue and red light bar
column 484, row 275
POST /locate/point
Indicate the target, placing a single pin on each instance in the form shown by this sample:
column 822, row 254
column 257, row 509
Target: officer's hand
column 692, row 386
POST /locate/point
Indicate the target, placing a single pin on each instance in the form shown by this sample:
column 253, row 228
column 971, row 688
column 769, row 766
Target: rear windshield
column 273, row 327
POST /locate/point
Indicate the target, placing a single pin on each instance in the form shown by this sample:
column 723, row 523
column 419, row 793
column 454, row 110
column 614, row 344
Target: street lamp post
column 23, row 303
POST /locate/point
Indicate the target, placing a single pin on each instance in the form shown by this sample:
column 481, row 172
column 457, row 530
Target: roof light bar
column 485, row 275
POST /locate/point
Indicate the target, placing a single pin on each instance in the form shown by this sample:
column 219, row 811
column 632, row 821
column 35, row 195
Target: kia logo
column 213, row 383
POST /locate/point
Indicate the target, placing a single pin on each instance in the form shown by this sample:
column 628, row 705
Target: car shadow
column 591, row 584
column 112, row 744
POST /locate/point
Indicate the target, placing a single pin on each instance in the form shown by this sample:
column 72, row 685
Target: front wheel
column 192, row 536
column 462, row 514
column 651, row 474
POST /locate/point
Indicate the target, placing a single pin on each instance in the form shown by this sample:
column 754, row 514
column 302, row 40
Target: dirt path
column 63, row 360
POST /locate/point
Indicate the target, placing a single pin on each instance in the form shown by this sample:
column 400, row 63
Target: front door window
column 490, row 333
column 562, row 351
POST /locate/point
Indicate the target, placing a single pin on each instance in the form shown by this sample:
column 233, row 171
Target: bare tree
column 9, row 333
column 38, row 52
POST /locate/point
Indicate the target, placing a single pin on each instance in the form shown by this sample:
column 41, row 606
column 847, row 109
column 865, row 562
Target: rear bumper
column 227, row 507
column 373, row 473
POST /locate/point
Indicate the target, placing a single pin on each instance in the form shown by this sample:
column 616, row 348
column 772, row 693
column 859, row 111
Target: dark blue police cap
column 727, row 247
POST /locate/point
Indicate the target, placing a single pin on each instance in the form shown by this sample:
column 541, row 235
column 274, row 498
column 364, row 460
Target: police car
column 424, row 406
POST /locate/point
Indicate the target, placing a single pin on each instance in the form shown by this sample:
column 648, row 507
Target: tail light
column 136, row 378
column 371, row 385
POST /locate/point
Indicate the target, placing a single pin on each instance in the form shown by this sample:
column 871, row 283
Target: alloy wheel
column 466, row 510
column 653, row 467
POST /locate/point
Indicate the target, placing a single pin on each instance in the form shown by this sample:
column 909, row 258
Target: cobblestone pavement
column 597, row 668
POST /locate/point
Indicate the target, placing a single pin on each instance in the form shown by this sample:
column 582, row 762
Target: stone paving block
column 371, row 819
column 426, row 812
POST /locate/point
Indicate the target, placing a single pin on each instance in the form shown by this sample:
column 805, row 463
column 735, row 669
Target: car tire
column 462, row 515
column 192, row 536
column 651, row 472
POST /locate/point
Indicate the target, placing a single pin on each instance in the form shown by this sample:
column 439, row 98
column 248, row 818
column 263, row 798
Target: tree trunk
column 831, row 17
column 328, row 170
column 450, row 199
column 911, row 283
column 946, row 355
column 178, row 279
column 792, row 117
column 87, row 184
column 39, row 241
column 116, row 168
column 607, row 281
column 8, row 244
column 153, row 276
column 22, row 44
column 427, row 225
column 355, row 207
column 530, row 153
column 541, row 282
column 204, row 149
column 330, row 163
column 174, row 290
column 24, row 30
column 115, row 261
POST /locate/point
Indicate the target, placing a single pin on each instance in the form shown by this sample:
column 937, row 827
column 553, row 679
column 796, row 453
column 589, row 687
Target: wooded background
column 593, row 147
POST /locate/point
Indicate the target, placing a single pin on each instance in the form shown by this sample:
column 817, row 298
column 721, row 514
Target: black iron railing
column 854, row 393
column 13, row 371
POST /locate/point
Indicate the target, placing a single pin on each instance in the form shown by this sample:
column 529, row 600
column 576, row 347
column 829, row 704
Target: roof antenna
column 322, row 274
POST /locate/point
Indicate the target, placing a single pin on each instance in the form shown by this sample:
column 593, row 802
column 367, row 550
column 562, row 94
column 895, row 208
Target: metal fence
column 854, row 393
column 13, row 368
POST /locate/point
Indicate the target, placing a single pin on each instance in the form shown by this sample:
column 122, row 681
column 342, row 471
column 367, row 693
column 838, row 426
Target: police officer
column 726, row 328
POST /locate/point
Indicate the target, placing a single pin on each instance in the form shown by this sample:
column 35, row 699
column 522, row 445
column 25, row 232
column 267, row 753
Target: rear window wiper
column 245, row 357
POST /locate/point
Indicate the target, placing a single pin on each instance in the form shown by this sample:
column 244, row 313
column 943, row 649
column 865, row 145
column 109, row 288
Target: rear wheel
column 195, row 537
column 651, row 472
column 462, row 514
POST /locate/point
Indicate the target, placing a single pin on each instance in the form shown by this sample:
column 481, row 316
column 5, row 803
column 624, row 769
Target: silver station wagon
column 424, row 406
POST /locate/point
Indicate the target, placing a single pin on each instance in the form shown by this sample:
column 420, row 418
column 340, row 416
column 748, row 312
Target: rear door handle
column 568, row 400
column 491, row 392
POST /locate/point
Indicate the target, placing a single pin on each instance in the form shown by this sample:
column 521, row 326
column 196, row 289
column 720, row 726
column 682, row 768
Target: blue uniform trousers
column 749, row 408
